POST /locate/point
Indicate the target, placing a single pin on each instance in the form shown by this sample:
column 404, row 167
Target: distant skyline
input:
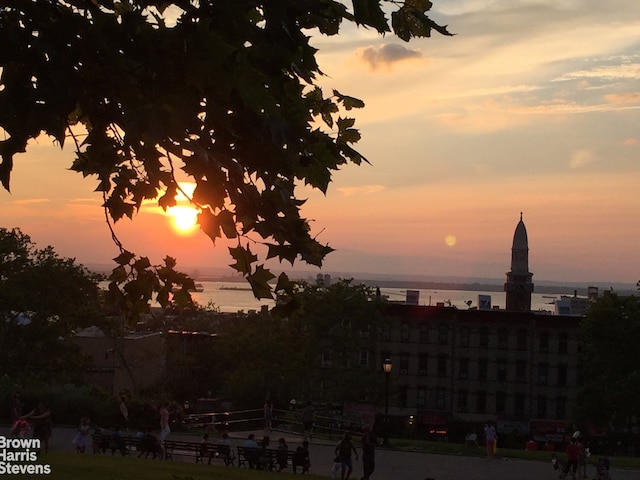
column 532, row 107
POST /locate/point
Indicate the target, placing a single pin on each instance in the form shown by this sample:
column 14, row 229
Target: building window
column 385, row 332
column 503, row 338
column 421, row 401
column 424, row 332
column 544, row 342
column 483, row 366
column 521, row 339
column 326, row 359
column 502, row 370
column 501, row 402
column 402, row 396
column 364, row 358
column 442, row 365
column 404, row 364
column 462, row 400
column 481, row 401
column 463, row 372
column 562, row 343
column 405, row 332
column 541, row 406
column 365, row 331
column 443, row 334
column 521, row 371
column 483, row 340
column 464, row 337
column 543, row 373
column 561, row 408
column 440, row 397
column 519, row 405
column 423, row 363
column 562, row 375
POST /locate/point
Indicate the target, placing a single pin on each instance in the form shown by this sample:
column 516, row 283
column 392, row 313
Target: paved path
column 399, row 465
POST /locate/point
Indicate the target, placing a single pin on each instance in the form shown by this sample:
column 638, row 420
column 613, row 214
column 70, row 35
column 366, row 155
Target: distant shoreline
column 433, row 285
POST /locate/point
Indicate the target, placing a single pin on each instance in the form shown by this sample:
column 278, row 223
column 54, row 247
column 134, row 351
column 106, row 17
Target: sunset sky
column 533, row 107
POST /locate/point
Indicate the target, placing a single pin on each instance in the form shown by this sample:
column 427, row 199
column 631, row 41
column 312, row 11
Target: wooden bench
column 199, row 451
column 216, row 451
column 102, row 441
column 267, row 459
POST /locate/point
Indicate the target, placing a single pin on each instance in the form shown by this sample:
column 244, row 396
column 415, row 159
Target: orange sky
column 532, row 107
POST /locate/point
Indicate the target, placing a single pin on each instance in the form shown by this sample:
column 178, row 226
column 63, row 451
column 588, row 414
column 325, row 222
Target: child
column 80, row 440
column 20, row 428
column 337, row 467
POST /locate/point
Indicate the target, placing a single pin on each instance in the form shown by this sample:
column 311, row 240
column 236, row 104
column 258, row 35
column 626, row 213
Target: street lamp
column 386, row 366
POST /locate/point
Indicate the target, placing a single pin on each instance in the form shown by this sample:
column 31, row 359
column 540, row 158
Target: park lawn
column 445, row 448
column 71, row 466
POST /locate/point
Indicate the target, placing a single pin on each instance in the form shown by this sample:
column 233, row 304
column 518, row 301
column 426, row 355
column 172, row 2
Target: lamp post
column 386, row 366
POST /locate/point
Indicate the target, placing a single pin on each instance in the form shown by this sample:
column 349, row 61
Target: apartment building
column 513, row 367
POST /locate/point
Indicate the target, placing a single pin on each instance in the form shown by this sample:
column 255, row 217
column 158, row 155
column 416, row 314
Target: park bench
column 214, row 451
column 102, row 441
column 266, row 459
column 201, row 452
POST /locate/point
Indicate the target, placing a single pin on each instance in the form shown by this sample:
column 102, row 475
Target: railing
column 289, row 421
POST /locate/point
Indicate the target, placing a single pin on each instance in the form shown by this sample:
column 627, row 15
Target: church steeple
column 519, row 285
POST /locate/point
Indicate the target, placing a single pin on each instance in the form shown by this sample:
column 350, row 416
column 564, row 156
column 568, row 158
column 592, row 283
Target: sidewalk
column 392, row 464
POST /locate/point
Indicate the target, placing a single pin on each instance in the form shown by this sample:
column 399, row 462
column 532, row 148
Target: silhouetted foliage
column 609, row 375
column 44, row 300
column 223, row 93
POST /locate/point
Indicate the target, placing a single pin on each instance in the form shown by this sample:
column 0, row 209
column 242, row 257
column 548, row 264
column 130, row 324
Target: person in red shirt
column 573, row 450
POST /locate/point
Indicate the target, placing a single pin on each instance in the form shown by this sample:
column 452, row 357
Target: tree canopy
column 223, row 93
column 313, row 352
column 44, row 299
column 609, row 376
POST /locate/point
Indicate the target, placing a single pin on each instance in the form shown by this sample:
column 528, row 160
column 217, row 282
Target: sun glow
column 184, row 217
column 450, row 240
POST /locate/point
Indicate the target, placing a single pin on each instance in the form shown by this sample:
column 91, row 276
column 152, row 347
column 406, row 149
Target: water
column 235, row 296
column 231, row 297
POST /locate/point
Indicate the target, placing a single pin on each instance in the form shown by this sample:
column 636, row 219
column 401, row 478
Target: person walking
column 343, row 453
column 124, row 412
column 268, row 414
column 164, row 422
column 41, row 418
column 490, row 438
column 16, row 408
column 369, row 442
column 573, row 452
column 308, row 413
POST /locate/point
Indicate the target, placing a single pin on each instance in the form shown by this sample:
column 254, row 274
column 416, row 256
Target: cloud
column 630, row 141
column 31, row 201
column 606, row 72
column 361, row 190
column 581, row 158
column 386, row 55
column 625, row 98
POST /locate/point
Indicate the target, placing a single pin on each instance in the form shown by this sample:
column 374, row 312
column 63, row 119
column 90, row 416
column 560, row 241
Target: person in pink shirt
column 164, row 421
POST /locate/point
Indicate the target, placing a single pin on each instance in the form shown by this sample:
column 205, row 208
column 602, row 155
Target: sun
column 184, row 219
column 450, row 240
